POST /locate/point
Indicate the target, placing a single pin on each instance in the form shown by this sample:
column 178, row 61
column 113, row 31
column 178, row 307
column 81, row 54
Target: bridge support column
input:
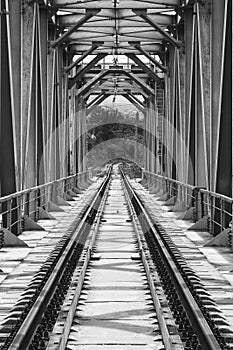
column 7, row 165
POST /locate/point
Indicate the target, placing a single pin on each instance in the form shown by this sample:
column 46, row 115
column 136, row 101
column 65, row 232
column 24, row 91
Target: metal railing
column 217, row 207
column 181, row 192
column 14, row 207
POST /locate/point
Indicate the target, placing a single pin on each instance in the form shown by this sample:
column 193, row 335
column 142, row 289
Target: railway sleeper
column 189, row 276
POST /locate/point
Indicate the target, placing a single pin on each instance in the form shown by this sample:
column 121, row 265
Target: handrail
column 29, row 202
column 217, row 195
column 204, row 203
column 176, row 271
column 77, row 234
column 167, row 178
column 27, row 190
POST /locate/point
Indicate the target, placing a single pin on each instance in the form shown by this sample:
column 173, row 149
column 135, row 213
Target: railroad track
column 115, row 270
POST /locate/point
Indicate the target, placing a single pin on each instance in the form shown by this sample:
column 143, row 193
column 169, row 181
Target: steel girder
column 44, row 117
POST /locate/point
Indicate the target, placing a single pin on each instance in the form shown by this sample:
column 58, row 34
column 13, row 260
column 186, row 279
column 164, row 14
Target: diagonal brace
column 148, row 20
column 91, row 82
column 91, row 91
column 86, row 69
column 95, row 99
column 146, row 54
column 140, row 91
column 89, row 13
column 141, row 64
column 140, row 82
column 137, row 99
column 90, row 109
column 131, row 99
column 101, row 99
column 103, row 73
column 84, row 55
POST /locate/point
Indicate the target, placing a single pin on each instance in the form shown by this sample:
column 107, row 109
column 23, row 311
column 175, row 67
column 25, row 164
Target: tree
column 106, row 124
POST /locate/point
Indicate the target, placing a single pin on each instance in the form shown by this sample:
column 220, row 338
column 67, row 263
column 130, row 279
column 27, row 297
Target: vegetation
column 113, row 135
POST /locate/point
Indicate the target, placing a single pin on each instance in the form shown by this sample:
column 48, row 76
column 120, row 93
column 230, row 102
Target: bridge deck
column 212, row 264
column 19, row 264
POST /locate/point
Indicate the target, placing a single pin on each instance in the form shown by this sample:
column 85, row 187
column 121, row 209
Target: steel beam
column 132, row 76
column 168, row 37
column 125, row 19
column 106, row 4
column 90, row 92
column 84, row 55
column 95, row 100
column 107, row 37
column 93, row 81
column 90, row 109
column 7, row 174
column 137, row 100
column 224, row 159
column 101, row 99
column 141, row 92
column 140, row 82
column 146, row 54
column 81, row 46
column 141, row 64
column 131, row 99
column 43, row 61
column 89, row 13
column 86, row 69
column 95, row 91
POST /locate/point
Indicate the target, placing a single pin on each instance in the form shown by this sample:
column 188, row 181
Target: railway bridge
column 115, row 258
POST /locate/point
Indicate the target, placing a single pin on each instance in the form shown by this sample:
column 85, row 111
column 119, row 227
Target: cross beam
column 137, row 99
column 142, row 92
column 84, row 55
column 84, row 19
column 131, row 100
column 90, row 109
column 141, row 64
column 168, row 37
column 103, row 73
column 91, row 82
column 101, row 99
column 99, row 96
column 146, row 54
column 86, row 69
column 140, row 82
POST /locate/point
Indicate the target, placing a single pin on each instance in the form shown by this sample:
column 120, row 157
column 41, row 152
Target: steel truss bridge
column 104, row 260
column 171, row 59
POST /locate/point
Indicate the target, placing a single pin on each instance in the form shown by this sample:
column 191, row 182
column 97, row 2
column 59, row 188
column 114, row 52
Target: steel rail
column 25, row 333
column 61, row 344
column 157, row 305
column 197, row 319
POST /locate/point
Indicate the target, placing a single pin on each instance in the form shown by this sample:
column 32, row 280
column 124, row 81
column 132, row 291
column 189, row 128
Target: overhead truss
column 117, row 28
column 169, row 58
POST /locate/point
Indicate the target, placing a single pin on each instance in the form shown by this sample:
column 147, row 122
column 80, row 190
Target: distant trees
column 111, row 134
column 107, row 123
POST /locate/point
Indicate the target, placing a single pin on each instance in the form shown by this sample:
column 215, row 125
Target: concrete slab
column 116, row 310
column 113, row 332
column 115, row 295
column 115, row 254
column 118, row 276
column 113, row 347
